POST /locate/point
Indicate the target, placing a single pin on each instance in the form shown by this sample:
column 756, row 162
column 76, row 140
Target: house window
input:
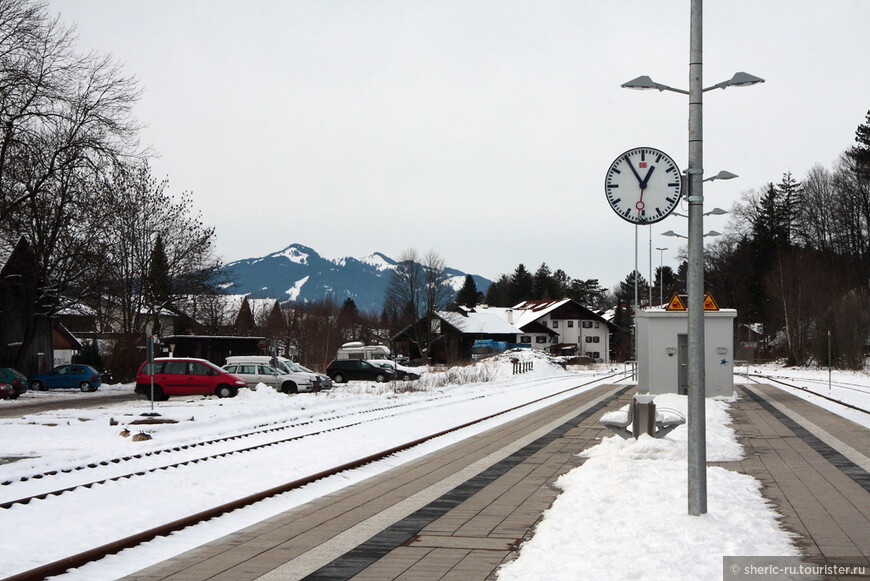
column 570, row 324
column 555, row 324
column 587, row 324
column 589, row 339
column 596, row 324
column 596, row 354
column 540, row 339
column 554, row 339
column 525, row 339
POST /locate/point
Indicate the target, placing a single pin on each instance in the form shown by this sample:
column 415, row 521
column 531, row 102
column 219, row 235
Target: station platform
column 461, row 512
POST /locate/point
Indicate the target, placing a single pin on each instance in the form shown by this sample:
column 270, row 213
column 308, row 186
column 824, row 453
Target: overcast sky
column 481, row 130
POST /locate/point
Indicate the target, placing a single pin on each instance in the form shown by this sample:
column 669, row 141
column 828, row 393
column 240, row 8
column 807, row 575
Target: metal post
column 634, row 328
column 697, row 444
column 650, row 266
column 661, row 275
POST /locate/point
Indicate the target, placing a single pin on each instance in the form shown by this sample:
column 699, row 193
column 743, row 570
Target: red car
column 186, row 376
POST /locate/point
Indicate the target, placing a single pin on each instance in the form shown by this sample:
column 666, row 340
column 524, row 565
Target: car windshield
column 292, row 366
column 280, row 366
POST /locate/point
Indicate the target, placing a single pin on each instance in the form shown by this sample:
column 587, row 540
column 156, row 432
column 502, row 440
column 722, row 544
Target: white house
column 562, row 326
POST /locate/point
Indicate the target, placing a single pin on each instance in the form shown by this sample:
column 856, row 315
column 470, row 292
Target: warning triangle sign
column 676, row 304
column 710, row 303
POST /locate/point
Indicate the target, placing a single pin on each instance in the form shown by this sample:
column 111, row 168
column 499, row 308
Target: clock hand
column 645, row 181
column 634, row 171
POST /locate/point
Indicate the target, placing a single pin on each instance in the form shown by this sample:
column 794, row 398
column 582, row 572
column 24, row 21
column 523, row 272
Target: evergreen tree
column 468, row 295
column 522, row 285
column 860, row 153
column 498, row 293
column 158, row 282
column 543, row 285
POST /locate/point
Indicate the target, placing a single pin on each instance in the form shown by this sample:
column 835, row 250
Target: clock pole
column 697, row 440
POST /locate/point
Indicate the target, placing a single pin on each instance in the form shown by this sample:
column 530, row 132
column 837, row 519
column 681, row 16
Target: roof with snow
column 476, row 322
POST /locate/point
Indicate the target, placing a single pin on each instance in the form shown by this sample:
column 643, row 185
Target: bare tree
column 60, row 112
column 417, row 290
column 143, row 211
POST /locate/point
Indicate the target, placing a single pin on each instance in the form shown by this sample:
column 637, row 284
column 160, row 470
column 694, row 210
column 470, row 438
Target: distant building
column 560, row 327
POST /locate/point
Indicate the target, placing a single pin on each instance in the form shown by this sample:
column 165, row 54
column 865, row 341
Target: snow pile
column 624, row 513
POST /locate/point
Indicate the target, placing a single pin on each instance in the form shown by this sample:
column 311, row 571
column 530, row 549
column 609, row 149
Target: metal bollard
column 644, row 419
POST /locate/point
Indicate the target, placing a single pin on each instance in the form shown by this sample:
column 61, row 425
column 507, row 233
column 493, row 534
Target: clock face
column 643, row 185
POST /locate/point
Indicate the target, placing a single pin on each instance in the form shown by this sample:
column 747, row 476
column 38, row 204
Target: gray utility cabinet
column 662, row 351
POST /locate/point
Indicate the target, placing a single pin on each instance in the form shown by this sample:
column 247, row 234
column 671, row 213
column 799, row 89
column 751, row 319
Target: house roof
column 526, row 312
column 536, row 327
column 476, row 322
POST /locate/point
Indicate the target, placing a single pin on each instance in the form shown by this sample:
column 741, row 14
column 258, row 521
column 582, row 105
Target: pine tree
column 522, row 285
column 158, row 282
column 861, row 152
column 468, row 295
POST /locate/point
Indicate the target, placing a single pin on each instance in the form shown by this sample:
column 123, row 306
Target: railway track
column 757, row 377
column 97, row 553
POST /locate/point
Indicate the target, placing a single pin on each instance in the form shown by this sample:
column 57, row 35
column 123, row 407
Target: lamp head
column 722, row 175
column 742, row 79
column 640, row 83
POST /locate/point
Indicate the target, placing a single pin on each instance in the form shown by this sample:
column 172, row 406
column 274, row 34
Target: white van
column 303, row 381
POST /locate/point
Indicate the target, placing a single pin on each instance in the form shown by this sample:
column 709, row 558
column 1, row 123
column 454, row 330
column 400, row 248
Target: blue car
column 84, row 377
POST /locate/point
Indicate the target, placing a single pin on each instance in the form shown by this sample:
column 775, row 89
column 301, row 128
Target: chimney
column 509, row 315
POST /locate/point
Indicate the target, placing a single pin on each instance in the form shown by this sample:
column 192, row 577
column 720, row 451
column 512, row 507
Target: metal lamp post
column 697, row 445
column 661, row 275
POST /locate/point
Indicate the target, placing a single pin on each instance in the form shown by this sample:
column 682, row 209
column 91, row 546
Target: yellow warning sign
column 676, row 304
column 710, row 303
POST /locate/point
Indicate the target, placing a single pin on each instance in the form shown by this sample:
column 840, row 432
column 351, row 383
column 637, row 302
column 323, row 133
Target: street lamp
column 738, row 80
column 675, row 235
column 713, row 212
column 697, row 453
column 661, row 275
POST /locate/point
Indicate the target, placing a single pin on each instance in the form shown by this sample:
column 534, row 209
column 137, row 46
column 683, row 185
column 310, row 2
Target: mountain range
column 299, row 274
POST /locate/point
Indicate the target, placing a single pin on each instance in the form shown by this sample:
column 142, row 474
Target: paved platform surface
column 454, row 514
column 461, row 512
column 813, row 465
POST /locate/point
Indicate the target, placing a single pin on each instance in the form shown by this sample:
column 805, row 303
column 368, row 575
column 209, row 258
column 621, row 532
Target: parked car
column 325, row 380
column 356, row 369
column 12, row 382
column 254, row 373
column 285, row 366
column 186, row 376
column 402, row 372
column 84, row 377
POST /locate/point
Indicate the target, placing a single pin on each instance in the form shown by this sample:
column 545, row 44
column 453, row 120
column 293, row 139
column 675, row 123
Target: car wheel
column 224, row 390
column 339, row 378
column 14, row 396
column 158, row 394
column 38, row 385
column 380, row 378
column 289, row 387
column 85, row 386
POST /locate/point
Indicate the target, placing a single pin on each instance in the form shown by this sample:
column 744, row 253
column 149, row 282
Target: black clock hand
column 645, row 181
column 634, row 171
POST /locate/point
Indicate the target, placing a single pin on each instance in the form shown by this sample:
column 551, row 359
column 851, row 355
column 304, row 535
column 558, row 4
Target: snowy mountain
column 298, row 273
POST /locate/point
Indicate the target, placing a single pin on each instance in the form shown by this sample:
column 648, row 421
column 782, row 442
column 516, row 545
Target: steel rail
column 74, row 561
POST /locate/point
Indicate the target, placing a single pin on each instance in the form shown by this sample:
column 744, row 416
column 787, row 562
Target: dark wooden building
column 25, row 333
column 211, row 348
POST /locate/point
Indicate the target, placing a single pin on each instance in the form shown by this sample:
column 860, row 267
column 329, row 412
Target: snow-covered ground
column 625, row 507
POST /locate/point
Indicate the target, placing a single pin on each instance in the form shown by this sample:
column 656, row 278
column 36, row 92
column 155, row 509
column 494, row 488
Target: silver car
column 254, row 372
